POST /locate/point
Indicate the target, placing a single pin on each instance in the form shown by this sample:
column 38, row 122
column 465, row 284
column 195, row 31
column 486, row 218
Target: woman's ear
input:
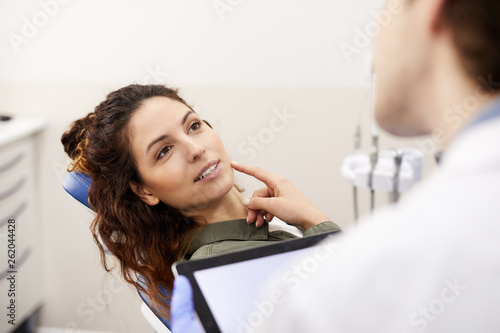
column 145, row 195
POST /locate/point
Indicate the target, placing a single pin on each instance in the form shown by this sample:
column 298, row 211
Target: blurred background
column 243, row 65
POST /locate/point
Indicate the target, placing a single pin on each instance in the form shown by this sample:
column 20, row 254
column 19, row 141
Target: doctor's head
column 432, row 55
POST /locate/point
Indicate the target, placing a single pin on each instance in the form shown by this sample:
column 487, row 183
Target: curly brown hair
column 144, row 239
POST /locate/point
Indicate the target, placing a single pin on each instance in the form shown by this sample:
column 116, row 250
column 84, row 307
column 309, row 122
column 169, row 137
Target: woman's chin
column 210, row 194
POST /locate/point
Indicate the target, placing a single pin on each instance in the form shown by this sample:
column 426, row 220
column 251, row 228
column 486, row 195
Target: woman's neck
column 229, row 207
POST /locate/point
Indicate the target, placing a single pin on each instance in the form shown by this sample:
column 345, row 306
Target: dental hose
column 374, row 146
column 357, row 147
column 398, row 160
column 373, row 163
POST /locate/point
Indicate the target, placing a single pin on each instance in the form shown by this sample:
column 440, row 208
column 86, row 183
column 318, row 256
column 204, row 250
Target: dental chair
column 77, row 185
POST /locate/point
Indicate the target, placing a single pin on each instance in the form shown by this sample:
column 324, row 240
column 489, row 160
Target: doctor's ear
column 145, row 195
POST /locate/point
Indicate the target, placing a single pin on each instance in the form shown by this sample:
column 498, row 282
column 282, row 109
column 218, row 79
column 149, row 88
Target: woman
column 162, row 187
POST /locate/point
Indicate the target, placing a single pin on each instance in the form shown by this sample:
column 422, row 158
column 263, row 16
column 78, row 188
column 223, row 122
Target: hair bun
column 75, row 141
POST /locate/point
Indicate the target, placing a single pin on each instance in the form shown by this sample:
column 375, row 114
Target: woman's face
column 180, row 159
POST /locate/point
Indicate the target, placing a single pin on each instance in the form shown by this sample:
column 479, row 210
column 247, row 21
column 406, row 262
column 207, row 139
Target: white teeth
column 207, row 172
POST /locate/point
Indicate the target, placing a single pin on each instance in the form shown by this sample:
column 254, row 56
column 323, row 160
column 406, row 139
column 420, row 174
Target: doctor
column 432, row 263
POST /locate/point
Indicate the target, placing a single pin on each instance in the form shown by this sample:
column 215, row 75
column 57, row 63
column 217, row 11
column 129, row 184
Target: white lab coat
column 432, row 264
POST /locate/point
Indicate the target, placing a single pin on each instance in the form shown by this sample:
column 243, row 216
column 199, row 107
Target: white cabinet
column 20, row 258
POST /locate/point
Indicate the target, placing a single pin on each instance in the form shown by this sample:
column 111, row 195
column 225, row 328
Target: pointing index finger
column 264, row 176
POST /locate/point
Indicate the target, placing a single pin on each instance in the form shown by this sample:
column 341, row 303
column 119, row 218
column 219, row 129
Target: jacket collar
column 473, row 150
column 227, row 230
column 490, row 112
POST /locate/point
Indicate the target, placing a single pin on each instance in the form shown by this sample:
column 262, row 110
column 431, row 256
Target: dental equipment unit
column 393, row 171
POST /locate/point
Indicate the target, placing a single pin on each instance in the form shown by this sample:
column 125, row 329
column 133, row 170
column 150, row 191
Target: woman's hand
column 257, row 216
column 279, row 198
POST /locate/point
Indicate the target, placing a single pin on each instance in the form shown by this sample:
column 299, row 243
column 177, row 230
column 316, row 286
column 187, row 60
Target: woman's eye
column 194, row 126
column 164, row 151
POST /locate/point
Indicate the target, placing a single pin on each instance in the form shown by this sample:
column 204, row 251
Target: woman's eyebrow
column 186, row 116
column 155, row 141
column 163, row 137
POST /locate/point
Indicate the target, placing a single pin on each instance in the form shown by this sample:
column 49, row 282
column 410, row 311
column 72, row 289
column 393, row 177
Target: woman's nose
column 194, row 149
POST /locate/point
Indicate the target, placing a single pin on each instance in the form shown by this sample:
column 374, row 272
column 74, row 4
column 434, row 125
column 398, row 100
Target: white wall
column 276, row 42
column 260, row 57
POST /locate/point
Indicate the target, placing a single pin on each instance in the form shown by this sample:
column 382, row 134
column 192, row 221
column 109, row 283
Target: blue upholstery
column 77, row 185
column 146, row 300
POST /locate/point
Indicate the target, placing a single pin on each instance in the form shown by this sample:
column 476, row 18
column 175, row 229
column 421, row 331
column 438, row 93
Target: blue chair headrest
column 77, row 185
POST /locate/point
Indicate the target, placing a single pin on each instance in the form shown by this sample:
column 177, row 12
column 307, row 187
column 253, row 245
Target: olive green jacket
column 236, row 235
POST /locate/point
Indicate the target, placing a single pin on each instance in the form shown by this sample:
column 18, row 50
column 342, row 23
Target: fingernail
column 246, row 201
column 234, row 162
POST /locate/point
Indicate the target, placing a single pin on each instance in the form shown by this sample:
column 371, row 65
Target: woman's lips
column 209, row 171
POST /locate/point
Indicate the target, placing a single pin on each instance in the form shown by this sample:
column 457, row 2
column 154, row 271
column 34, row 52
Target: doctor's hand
column 279, row 198
column 182, row 309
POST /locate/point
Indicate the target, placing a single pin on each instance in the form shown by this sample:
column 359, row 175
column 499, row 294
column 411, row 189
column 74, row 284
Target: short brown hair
column 475, row 26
